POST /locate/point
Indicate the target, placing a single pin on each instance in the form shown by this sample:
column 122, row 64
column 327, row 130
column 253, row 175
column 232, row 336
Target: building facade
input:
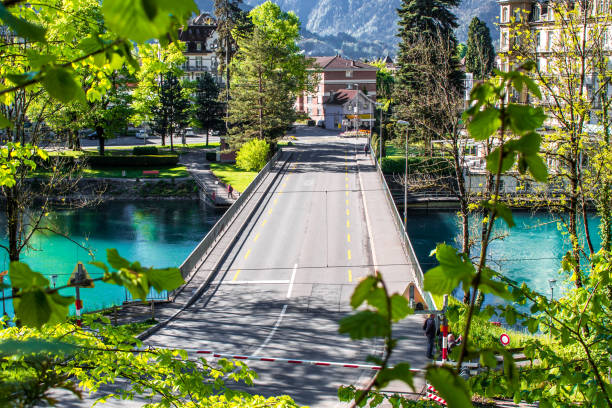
column 336, row 75
column 201, row 42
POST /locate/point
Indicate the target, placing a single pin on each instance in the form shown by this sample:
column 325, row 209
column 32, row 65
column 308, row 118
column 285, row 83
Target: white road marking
column 257, row 282
column 267, row 340
column 291, row 282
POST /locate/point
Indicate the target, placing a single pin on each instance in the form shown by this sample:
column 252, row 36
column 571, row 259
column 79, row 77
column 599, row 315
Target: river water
column 530, row 252
column 155, row 233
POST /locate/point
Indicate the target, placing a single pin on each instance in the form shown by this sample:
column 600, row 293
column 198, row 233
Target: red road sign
column 504, row 339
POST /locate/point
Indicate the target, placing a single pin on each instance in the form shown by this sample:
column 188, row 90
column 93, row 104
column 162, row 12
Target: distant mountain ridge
column 363, row 28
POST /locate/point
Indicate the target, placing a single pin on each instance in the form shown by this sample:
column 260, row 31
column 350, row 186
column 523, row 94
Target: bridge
column 275, row 276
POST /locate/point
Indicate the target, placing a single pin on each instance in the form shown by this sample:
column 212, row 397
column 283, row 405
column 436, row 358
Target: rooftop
column 337, row 62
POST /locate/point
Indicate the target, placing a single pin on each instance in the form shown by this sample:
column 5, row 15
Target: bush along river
column 155, row 233
column 531, row 252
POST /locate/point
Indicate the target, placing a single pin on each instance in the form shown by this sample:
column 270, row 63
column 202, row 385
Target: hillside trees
column 480, row 55
column 269, row 72
column 419, row 21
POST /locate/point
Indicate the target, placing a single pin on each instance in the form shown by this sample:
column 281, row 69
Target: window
column 505, row 15
column 538, row 40
column 535, row 12
column 198, row 62
column 548, row 40
column 349, row 74
column 199, row 46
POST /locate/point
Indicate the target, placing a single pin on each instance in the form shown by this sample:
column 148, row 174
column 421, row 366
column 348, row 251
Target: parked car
column 141, row 134
column 321, row 124
column 189, row 132
column 88, row 133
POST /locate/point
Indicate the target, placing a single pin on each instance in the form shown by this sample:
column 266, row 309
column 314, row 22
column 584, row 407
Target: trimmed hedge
column 132, row 161
column 145, row 150
column 396, row 165
column 211, row 156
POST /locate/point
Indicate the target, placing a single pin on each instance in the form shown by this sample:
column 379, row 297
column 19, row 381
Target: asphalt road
column 288, row 281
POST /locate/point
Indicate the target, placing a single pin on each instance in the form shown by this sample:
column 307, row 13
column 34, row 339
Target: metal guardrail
column 418, row 272
column 193, row 260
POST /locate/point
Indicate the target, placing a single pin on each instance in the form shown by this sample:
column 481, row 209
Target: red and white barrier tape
column 213, row 354
column 432, row 394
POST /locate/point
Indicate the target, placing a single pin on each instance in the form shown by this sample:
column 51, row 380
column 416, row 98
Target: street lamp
column 380, row 136
column 551, row 283
column 54, row 280
column 403, row 122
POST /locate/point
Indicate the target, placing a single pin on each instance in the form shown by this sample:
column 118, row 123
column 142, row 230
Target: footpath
column 199, row 168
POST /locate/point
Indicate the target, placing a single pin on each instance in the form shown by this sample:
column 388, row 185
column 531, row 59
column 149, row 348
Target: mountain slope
column 363, row 28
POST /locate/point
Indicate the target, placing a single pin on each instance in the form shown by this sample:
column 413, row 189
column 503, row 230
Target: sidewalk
column 199, row 168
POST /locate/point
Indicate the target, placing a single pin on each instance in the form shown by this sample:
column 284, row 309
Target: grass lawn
column 164, row 172
column 229, row 173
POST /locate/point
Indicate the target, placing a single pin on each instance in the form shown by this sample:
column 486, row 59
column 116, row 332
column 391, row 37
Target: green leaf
column 23, row 27
column 100, row 265
column 399, row 307
column 364, row 325
column 150, row 8
column 32, row 308
column 509, row 157
column 4, row 122
column 453, row 269
column 501, row 209
column 164, row 279
column 487, row 359
column 537, row 168
column 510, row 371
column 400, row 372
column 529, row 143
column 61, row 85
column 115, row 260
column 524, row 118
column 532, row 325
column 34, row 346
column 450, row 387
column 484, row 123
column 488, row 285
column 362, row 290
column 23, row 277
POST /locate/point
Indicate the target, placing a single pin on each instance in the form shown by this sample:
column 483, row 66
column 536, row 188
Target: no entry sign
column 504, row 339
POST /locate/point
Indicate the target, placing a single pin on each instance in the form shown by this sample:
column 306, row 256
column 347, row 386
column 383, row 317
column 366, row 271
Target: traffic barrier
column 432, row 394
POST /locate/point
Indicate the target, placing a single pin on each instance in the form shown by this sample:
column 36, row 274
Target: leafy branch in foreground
column 37, row 304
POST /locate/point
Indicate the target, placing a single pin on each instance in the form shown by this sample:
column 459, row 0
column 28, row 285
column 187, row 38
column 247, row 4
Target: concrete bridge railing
column 408, row 249
column 191, row 263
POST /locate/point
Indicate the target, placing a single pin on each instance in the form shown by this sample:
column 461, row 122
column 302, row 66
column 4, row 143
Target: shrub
column 145, row 150
column 211, row 156
column 253, row 155
column 132, row 161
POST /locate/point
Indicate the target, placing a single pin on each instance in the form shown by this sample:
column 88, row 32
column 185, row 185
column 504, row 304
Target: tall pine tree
column 480, row 54
column 421, row 24
column 207, row 111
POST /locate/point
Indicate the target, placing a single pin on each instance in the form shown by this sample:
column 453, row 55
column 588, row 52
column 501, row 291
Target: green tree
column 269, row 72
column 171, row 114
column 480, row 55
column 207, row 110
column 419, row 21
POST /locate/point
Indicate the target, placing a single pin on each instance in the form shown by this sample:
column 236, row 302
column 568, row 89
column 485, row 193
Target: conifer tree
column 207, row 110
column 480, row 54
column 171, row 114
column 419, row 21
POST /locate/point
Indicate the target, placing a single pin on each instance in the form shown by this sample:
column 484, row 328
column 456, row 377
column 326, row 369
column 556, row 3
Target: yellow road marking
column 269, row 211
column 350, row 273
column 347, row 212
column 347, row 193
column 256, row 238
column 349, row 254
column 237, row 273
column 348, row 224
column 264, row 222
column 348, row 237
column 246, row 256
column 276, row 201
column 346, row 185
column 347, row 203
column 284, row 184
column 346, row 178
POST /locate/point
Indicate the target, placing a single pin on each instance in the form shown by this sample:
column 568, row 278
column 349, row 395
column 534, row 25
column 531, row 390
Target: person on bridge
column 429, row 326
column 230, row 191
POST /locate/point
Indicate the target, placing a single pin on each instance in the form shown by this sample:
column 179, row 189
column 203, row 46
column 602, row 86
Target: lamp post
column 551, row 283
column 380, row 136
column 53, row 280
column 403, row 122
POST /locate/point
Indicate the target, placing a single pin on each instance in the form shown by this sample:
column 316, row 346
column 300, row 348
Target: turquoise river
column 156, row 233
column 530, row 252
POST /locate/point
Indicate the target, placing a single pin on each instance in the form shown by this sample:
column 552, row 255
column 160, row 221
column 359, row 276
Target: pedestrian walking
column 230, row 190
column 429, row 327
